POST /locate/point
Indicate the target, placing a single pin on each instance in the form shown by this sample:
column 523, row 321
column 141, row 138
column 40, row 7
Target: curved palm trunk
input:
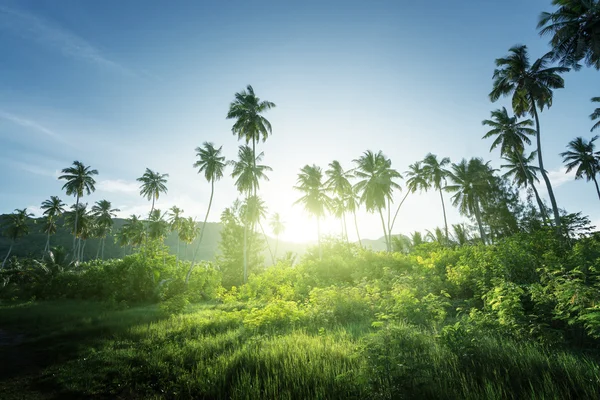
column 597, row 188
column 537, row 195
column 82, row 249
column 319, row 237
column 103, row 240
column 47, row 248
column 357, row 233
column 479, row 223
column 345, row 226
column 396, row 213
column 74, row 258
column 98, row 250
column 387, row 242
column 542, row 170
column 444, row 211
column 8, row 254
column 212, row 192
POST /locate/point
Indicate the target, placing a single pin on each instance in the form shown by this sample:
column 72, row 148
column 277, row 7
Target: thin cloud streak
column 34, row 169
column 28, row 123
column 117, row 186
column 32, row 27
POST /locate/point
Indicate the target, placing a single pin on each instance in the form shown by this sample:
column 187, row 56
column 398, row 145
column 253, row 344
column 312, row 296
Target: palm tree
column 157, row 226
column 189, row 232
column 53, row 209
column 152, row 185
column 470, row 184
column 16, row 227
column 417, row 181
column 85, row 224
column 104, row 214
column 212, row 164
column 338, row 210
column 461, row 236
column 436, row 236
column 531, row 88
column 79, row 181
column 132, row 233
column 277, row 227
column 176, row 224
column 416, row 239
column 523, row 174
column 575, row 30
column 248, row 175
column 436, row 174
column 338, row 183
column 596, row 114
column 376, row 185
column 314, row 198
column 581, row 155
column 247, row 110
column 254, row 211
column 352, row 200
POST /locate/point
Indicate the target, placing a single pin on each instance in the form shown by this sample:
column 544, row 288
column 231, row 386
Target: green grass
column 87, row 350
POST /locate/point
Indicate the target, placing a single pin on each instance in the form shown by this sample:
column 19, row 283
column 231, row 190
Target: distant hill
column 33, row 244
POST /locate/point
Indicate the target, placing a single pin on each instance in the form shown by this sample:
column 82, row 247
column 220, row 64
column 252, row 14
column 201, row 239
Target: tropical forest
column 498, row 299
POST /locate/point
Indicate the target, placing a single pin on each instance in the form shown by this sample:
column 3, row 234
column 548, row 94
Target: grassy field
column 70, row 349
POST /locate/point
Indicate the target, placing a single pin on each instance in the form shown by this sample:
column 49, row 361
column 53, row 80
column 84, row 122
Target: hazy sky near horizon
column 122, row 86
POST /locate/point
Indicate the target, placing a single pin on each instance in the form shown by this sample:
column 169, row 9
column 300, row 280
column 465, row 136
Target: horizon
column 122, row 89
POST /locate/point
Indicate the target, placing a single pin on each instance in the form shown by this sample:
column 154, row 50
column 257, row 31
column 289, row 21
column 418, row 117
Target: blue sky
column 123, row 86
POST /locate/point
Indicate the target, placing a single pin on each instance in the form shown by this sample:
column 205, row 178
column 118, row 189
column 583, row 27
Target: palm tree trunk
column 177, row 258
column 398, row 210
column 103, row 241
column 444, row 211
column 597, row 188
column 357, row 233
column 387, row 243
column 542, row 170
column 537, row 195
column 74, row 258
column 345, row 226
column 245, row 252
column 98, row 250
column 152, row 208
column 82, row 249
column 267, row 241
column 8, row 254
column 47, row 248
column 319, row 237
column 212, row 192
column 479, row 223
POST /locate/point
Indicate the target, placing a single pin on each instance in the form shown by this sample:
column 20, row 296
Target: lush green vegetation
column 504, row 305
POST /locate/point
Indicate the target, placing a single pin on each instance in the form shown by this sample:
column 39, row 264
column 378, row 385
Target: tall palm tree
column 53, row 209
column 531, row 87
column 575, row 30
column 523, row 173
column 16, row 227
column 152, row 185
column 104, row 214
column 376, row 185
column 436, row 173
column 132, row 233
column 277, row 227
column 247, row 110
column 596, row 114
column 352, row 200
column 212, row 164
column 338, row 182
column 314, row 195
column 338, row 210
column 189, row 232
column 417, row 181
column 581, row 155
column 511, row 136
column 85, row 225
column 157, row 226
column 248, row 174
column 176, row 225
column 470, row 183
column 79, row 180
column 254, row 211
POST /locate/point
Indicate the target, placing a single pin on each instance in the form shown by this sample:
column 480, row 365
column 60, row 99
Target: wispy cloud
column 49, row 34
column 559, row 176
column 30, row 124
column 34, row 169
column 117, row 186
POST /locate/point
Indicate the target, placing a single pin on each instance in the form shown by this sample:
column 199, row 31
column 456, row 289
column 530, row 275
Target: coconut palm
column 436, row 173
column 277, row 227
column 247, row 110
column 53, row 209
column 352, row 201
column 417, row 181
column 158, row 228
column 85, row 225
column 461, row 235
column 338, row 183
column 254, row 211
column 416, row 239
column 152, row 185
column 531, row 87
column 79, row 180
column 314, row 195
column 436, row 236
column 176, row 221
column 470, row 183
column 581, row 155
column 376, row 185
column 575, row 31
column 132, row 233
column 212, row 164
column 189, row 232
column 15, row 227
column 523, row 174
column 104, row 214
column 596, row 114
column 248, row 174
column 338, row 210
